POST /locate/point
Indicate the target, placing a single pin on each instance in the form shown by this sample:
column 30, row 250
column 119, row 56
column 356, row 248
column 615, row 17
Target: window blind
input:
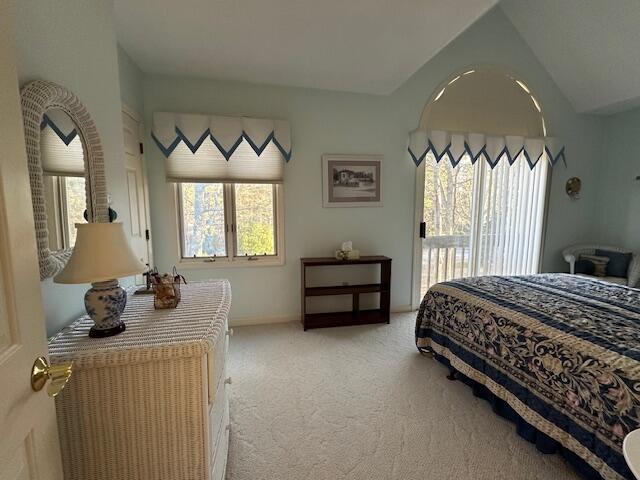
column 207, row 164
column 58, row 158
column 511, row 219
column 208, row 148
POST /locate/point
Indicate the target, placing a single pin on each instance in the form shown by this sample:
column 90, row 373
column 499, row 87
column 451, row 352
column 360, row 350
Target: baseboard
column 263, row 320
column 401, row 309
column 274, row 319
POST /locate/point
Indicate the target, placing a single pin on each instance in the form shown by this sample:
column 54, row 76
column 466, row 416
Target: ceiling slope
column 591, row 48
column 367, row 46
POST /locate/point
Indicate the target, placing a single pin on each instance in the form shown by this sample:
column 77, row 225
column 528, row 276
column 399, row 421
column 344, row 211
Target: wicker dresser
column 150, row 403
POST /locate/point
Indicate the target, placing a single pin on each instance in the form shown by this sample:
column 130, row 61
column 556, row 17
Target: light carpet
column 362, row 403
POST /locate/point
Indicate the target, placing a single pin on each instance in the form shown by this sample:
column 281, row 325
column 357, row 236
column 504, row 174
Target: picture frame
column 351, row 180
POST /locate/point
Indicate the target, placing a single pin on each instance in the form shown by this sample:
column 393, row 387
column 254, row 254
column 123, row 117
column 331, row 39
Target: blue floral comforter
column 562, row 350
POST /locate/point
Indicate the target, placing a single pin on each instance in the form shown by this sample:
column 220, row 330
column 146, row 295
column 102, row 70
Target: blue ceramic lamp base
column 105, row 302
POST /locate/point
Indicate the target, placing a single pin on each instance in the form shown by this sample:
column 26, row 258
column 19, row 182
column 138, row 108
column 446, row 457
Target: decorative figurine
column 347, row 252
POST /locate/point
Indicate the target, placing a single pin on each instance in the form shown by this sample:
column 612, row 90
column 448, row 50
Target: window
column 254, row 208
column 203, row 220
column 73, row 202
column 66, row 202
column 230, row 222
column 484, row 213
column 228, row 174
column 481, row 221
column 62, row 159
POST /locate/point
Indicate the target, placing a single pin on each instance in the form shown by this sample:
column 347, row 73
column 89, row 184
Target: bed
column 558, row 354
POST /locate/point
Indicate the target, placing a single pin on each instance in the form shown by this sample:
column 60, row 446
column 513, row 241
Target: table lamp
column 102, row 255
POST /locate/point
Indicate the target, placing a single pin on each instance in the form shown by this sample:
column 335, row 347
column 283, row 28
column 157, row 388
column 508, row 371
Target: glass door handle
column 423, row 229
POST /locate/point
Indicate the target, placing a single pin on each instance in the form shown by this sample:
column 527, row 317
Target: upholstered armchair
column 572, row 254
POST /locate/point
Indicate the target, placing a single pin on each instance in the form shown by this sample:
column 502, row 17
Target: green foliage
column 203, row 222
column 256, row 238
column 76, row 199
column 254, row 219
column 448, row 197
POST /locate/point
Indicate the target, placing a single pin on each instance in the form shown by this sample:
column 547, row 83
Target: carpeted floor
column 362, row 403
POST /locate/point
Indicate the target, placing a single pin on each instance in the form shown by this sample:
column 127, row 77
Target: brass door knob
column 43, row 371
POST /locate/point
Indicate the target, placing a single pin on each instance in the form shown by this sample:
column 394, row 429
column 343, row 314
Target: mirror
column 66, row 170
column 63, row 169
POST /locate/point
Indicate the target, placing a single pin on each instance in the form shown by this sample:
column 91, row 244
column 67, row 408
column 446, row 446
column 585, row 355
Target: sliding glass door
column 481, row 221
column 449, row 206
column 511, row 219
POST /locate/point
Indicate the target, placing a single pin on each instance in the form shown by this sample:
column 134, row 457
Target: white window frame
column 231, row 259
column 57, row 214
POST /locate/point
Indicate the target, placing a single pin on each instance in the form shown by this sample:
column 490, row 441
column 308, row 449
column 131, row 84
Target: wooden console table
column 355, row 316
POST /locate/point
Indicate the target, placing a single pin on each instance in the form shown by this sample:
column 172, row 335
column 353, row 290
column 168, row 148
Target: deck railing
column 444, row 257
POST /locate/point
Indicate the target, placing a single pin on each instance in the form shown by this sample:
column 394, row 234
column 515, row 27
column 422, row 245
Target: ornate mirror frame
column 37, row 98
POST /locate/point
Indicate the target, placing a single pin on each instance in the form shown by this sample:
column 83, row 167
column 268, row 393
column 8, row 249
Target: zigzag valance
column 492, row 147
column 61, row 124
column 226, row 133
column 61, row 151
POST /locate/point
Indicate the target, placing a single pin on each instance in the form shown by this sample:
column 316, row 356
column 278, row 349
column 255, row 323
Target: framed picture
column 351, row 181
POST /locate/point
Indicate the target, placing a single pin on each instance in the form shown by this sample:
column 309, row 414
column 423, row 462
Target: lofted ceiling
column 591, row 48
column 367, row 46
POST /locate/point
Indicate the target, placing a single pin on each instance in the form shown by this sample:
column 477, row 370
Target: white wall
column 72, row 43
column 331, row 122
column 617, row 216
column 131, row 82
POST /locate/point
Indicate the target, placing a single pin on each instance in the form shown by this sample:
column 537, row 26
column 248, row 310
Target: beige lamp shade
column 101, row 253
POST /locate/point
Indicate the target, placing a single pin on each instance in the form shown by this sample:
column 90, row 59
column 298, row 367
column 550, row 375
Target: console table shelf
column 355, row 316
column 343, row 289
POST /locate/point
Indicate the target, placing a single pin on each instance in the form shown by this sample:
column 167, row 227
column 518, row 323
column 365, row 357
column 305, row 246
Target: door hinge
column 147, row 234
column 141, row 148
column 423, row 229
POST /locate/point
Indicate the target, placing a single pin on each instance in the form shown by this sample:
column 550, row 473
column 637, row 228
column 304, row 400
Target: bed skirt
column 563, row 352
column 543, row 443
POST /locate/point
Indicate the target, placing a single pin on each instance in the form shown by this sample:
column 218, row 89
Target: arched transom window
column 485, row 161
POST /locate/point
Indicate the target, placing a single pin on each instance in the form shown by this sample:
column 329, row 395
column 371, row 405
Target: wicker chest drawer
column 219, row 465
column 217, row 363
column 217, row 421
column 144, row 404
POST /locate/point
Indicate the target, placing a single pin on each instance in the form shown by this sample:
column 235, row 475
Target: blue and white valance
column 61, row 151
column 226, row 133
column 493, row 148
column 61, row 124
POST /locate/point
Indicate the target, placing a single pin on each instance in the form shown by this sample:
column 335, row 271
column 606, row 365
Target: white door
column 137, row 188
column 29, row 446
